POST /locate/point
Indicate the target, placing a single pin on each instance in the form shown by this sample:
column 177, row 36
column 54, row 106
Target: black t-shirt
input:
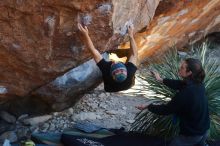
column 109, row 84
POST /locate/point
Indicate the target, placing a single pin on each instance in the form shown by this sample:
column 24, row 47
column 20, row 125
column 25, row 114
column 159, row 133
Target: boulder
column 40, row 41
column 178, row 23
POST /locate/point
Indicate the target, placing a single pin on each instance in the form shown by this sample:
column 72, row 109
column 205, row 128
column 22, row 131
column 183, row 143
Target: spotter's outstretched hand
column 141, row 107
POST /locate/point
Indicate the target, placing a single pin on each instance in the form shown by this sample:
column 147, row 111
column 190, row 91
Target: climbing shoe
column 27, row 143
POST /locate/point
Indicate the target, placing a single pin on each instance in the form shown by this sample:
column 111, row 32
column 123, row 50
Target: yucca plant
column 149, row 123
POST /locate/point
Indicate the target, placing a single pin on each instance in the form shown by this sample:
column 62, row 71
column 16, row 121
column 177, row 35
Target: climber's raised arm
column 133, row 47
column 95, row 53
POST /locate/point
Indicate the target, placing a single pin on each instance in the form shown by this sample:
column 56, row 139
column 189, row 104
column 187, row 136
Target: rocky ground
column 110, row 110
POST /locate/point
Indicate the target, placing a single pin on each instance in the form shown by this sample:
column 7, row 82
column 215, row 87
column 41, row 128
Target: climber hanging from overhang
column 117, row 76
